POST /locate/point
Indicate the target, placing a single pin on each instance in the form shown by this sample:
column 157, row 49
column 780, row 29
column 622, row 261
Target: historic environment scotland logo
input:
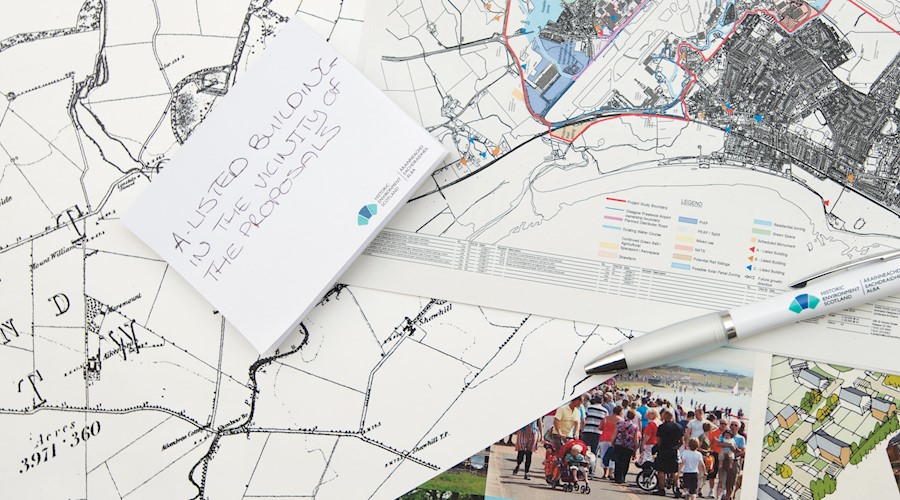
column 803, row 301
column 366, row 213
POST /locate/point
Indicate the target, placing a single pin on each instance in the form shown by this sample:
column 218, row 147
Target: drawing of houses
column 812, row 379
column 797, row 365
column 855, row 399
column 767, row 492
column 882, row 409
column 787, row 417
column 830, row 448
column 862, row 384
column 771, row 420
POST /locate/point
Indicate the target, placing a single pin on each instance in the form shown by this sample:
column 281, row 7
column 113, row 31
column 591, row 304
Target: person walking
column 593, row 421
column 695, row 427
column 608, row 402
column 692, row 467
column 715, row 450
column 704, row 450
column 738, row 445
column 669, row 438
column 608, row 429
column 625, row 440
column 528, row 440
column 566, row 423
column 649, row 432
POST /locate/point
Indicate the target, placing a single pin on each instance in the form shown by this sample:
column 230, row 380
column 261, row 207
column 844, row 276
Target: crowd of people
column 893, row 451
column 703, row 449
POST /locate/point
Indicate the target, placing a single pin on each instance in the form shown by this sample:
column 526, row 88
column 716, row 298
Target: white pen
column 831, row 290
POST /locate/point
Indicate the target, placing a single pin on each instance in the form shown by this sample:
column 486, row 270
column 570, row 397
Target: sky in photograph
column 722, row 360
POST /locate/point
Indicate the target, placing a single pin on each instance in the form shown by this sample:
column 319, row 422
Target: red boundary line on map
column 879, row 21
column 681, row 45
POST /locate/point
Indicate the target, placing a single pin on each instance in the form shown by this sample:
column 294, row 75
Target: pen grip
column 676, row 342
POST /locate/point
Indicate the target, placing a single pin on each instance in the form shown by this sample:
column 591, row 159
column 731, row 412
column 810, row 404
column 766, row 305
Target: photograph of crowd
column 893, row 452
column 677, row 431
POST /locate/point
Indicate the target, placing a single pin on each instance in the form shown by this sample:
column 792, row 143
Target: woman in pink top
column 606, row 436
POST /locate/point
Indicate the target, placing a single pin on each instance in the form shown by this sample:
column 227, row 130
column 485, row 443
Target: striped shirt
column 594, row 418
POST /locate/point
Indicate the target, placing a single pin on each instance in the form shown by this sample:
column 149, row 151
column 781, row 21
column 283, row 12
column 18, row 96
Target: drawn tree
column 772, row 439
column 786, row 471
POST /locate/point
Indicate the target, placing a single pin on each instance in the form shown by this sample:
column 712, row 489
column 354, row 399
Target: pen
column 831, row 290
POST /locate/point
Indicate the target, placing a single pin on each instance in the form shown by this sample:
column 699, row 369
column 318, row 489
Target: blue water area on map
column 557, row 89
column 721, row 29
column 537, row 102
column 541, row 66
column 567, row 59
column 544, row 12
column 818, row 4
column 668, row 73
column 541, row 102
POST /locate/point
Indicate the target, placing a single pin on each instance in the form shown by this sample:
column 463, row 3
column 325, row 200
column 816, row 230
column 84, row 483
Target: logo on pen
column 366, row 213
column 803, row 301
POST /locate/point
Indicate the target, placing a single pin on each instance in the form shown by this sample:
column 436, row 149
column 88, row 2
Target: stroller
column 567, row 473
column 647, row 479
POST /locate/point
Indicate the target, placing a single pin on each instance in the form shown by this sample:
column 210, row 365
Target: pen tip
column 608, row 363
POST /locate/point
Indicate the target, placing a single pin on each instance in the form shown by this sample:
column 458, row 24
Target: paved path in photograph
column 503, row 484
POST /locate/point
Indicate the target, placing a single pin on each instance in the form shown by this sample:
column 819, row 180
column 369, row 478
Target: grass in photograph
column 459, row 482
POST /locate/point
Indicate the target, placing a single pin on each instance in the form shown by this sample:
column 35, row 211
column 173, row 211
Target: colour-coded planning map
column 823, row 423
column 692, row 155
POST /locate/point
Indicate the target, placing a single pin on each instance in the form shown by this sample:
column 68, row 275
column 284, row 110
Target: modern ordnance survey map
column 617, row 157
column 117, row 380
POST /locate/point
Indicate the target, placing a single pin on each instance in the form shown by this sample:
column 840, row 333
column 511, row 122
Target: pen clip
column 889, row 255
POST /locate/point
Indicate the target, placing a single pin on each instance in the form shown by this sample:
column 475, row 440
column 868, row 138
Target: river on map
column 544, row 11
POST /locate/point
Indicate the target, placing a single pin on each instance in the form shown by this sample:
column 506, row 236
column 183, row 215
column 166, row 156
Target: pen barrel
column 845, row 289
column 676, row 342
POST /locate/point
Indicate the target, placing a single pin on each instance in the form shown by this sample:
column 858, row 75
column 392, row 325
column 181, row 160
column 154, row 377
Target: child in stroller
column 567, row 466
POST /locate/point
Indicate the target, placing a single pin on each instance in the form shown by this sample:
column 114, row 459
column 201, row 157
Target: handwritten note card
column 283, row 185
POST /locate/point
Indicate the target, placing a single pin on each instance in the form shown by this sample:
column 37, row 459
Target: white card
column 283, row 185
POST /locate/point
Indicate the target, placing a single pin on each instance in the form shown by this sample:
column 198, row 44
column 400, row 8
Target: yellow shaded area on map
column 685, row 238
column 517, row 93
column 608, row 244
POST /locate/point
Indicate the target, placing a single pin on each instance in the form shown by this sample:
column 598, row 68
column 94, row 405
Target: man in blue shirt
column 740, row 443
column 643, row 411
column 681, row 418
